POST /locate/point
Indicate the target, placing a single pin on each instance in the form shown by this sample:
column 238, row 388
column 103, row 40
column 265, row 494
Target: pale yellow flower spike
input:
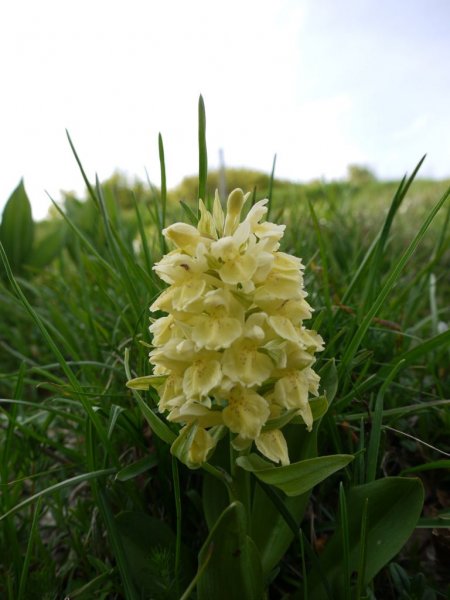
column 232, row 349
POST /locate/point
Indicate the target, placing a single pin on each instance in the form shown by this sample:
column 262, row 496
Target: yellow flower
column 273, row 445
column 243, row 362
column 292, row 390
column 221, row 322
column 232, row 350
column 246, row 412
column 202, row 376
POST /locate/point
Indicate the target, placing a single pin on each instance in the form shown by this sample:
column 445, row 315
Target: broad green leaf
column 214, row 498
column 393, row 510
column 269, row 529
column 17, row 228
column 233, row 570
column 297, row 478
column 215, row 493
column 150, row 550
column 48, row 248
column 429, row 466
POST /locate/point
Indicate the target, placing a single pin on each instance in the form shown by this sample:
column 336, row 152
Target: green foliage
column 90, row 503
column 296, row 478
column 29, row 246
column 229, row 564
column 17, row 227
column 150, row 550
column 387, row 511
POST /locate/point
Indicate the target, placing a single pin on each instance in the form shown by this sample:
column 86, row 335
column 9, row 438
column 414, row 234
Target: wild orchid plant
column 231, row 355
column 243, row 397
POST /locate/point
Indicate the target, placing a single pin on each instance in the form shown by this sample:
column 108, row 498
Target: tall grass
column 76, row 452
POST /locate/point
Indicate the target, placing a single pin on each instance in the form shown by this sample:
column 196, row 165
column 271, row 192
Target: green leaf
column 297, row 478
column 319, row 407
column 150, row 550
column 157, row 425
column 137, row 468
column 390, row 282
column 393, row 509
column 17, row 228
column 233, row 570
column 429, row 466
column 329, row 380
column 202, row 152
column 269, row 530
column 192, row 217
column 144, row 383
column 48, row 248
column 71, row 482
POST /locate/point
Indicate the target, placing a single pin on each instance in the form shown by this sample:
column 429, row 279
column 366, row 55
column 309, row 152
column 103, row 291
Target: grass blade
column 27, row 559
column 202, row 154
column 387, row 287
column 72, row 481
column 60, row 358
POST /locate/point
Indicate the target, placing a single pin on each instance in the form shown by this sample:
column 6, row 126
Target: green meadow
column 92, row 502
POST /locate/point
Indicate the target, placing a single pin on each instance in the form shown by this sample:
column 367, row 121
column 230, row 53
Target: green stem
column 240, row 483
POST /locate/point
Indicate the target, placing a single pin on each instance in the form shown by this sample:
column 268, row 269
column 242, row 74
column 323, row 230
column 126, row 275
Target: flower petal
column 201, row 377
column 246, row 412
column 243, row 363
column 273, row 445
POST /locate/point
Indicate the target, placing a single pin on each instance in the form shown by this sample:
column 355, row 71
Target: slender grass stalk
column 27, row 559
column 201, row 569
column 270, row 190
column 202, row 154
column 83, row 174
column 362, row 551
column 177, row 496
column 71, row 482
column 375, row 433
column 345, row 541
column 323, row 256
column 162, row 163
column 62, row 361
column 389, row 284
column 304, row 570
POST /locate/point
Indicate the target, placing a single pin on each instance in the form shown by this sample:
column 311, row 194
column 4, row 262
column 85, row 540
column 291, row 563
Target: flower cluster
column 232, row 352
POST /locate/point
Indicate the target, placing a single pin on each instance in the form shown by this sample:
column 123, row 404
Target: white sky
column 322, row 83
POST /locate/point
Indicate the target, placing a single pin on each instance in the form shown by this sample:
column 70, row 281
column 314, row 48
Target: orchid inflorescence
column 232, row 352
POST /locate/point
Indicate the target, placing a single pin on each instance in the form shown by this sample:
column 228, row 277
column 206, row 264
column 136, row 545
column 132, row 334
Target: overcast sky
column 322, row 83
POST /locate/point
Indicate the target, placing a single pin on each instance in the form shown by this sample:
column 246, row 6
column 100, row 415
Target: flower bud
column 234, row 207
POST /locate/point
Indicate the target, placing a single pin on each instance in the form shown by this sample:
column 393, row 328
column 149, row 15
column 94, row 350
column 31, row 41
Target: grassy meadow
column 92, row 504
